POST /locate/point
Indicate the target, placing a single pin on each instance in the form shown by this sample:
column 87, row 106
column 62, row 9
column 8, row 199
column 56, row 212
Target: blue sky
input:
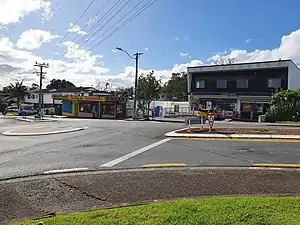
column 200, row 28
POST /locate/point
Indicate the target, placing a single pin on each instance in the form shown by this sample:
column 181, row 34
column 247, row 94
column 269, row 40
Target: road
column 127, row 144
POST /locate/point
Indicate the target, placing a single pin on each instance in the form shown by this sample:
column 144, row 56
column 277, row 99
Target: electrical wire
column 123, row 24
column 100, row 28
column 80, row 17
column 95, row 16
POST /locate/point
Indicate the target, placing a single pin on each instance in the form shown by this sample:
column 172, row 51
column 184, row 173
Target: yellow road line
column 239, row 139
column 276, row 165
column 165, row 165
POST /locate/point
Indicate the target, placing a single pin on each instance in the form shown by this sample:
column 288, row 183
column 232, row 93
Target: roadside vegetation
column 285, row 106
column 208, row 211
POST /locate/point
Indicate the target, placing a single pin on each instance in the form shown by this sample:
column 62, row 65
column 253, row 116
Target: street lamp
column 136, row 58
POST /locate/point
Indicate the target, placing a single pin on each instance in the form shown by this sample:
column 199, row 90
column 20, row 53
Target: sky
column 171, row 34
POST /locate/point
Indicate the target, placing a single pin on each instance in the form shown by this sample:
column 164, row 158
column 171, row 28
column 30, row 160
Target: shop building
column 244, row 89
column 50, row 104
column 98, row 107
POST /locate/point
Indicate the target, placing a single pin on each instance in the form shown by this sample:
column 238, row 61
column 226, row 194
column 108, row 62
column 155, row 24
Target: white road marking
column 66, row 170
column 132, row 154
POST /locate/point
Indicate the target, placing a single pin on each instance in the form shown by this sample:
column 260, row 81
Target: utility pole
column 136, row 58
column 41, row 74
column 136, row 84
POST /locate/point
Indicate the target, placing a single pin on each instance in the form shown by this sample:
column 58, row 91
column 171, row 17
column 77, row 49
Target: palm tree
column 16, row 92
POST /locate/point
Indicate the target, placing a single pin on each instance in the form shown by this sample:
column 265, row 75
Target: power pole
column 136, row 83
column 41, row 74
column 136, row 58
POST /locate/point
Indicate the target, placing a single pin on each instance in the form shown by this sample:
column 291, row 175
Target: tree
column 16, row 92
column 285, row 106
column 34, row 87
column 177, row 87
column 126, row 93
column 103, row 86
column 58, row 84
column 148, row 89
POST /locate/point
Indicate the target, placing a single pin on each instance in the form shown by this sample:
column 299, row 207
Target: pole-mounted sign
column 211, row 119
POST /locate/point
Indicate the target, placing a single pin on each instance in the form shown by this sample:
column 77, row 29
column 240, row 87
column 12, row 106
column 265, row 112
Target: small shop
column 98, row 107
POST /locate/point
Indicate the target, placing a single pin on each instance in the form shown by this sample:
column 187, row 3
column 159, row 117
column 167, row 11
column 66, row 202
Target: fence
column 181, row 111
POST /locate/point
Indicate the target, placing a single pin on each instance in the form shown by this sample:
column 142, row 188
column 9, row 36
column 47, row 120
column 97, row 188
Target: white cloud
column 76, row 29
column 114, row 50
column 87, row 69
column 184, row 54
column 248, row 40
column 289, row 48
column 33, row 39
column 176, row 38
column 12, row 11
column 146, row 49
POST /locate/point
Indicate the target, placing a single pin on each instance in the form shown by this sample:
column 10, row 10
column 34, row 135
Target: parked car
column 24, row 111
column 11, row 111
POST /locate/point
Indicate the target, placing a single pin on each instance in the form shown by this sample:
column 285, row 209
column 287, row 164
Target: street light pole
column 136, row 58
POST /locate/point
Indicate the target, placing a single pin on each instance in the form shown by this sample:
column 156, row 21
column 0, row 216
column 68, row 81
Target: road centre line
column 134, row 153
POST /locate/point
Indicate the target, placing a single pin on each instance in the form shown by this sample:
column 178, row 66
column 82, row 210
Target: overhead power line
column 100, row 28
column 80, row 17
column 137, row 12
column 95, row 16
column 95, row 25
column 145, row 7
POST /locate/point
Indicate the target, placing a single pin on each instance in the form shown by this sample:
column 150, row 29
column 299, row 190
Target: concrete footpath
column 50, row 195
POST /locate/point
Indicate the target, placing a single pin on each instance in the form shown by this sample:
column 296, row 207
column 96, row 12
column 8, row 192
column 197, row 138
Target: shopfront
column 106, row 107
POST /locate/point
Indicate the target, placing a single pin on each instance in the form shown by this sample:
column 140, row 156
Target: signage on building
column 80, row 98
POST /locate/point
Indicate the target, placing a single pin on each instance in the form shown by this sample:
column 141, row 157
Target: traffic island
column 236, row 132
column 35, row 131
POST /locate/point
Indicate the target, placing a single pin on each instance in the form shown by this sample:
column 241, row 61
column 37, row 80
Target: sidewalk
column 50, row 195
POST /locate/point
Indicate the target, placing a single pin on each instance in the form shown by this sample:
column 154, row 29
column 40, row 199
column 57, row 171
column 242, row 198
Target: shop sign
column 80, row 98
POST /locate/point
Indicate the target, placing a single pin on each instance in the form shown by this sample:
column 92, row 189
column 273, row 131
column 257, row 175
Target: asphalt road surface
column 126, row 144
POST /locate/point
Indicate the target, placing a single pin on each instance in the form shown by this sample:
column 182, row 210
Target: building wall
column 257, row 81
column 47, row 97
column 293, row 77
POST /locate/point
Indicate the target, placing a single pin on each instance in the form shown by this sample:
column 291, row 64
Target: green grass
column 208, row 211
column 289, row 122
column 260, row 131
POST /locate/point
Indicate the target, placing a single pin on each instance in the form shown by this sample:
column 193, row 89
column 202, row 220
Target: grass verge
column 289, row 122
column 234, row 211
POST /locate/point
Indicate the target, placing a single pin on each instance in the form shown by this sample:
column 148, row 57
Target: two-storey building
column 244, row 88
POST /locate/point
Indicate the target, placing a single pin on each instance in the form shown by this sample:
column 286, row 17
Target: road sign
column 211, row 119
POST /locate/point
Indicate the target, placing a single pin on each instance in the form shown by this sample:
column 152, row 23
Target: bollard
column 189, row 126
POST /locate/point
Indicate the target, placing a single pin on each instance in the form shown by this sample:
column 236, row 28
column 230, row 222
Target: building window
column 200, row 84
column 242, row 83
column 108, row 109
column 221, row 83
column 274, row 83
column 86, row 108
